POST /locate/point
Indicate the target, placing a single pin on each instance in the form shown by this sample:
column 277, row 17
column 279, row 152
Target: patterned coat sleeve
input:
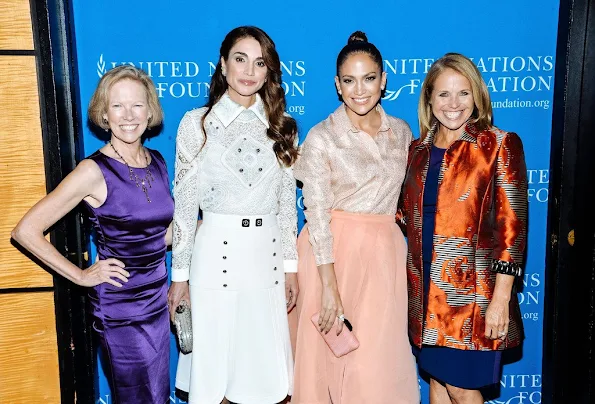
column 510, row 203
column 314, row 171
column 188, row 143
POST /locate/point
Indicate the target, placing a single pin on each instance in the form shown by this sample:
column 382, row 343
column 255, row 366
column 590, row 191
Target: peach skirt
column 370, row 254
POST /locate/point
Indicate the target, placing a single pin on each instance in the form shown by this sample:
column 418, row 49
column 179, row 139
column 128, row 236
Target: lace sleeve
column 287, row 218
column 314, row 171
column 188, row 143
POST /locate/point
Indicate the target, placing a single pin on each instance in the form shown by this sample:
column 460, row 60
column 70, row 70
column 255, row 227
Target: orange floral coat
column 481, row 222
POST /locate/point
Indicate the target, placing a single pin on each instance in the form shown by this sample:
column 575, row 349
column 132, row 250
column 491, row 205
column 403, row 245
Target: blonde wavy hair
column 98, row 105
column 482, row 113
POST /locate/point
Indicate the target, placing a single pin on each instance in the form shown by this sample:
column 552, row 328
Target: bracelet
column 507, row 268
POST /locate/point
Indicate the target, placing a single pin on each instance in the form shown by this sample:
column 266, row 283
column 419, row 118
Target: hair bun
column 357, row 36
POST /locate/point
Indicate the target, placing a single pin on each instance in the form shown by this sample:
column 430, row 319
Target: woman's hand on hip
column 178, row 291
column 109, row 271
column 291, row 290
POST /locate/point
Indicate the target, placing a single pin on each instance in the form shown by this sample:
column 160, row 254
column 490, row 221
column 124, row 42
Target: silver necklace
column 140, row 182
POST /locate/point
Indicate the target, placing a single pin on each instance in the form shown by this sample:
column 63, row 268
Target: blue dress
column 461, row 368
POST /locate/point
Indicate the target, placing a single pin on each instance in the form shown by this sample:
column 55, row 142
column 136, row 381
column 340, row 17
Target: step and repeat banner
column 512, row 42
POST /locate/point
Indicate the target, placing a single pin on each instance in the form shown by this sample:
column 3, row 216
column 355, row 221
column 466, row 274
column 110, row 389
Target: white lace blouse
column 236, row 173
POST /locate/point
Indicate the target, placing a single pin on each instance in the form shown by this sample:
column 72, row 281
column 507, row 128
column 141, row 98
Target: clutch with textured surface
column 183, row 324
column 340, row 344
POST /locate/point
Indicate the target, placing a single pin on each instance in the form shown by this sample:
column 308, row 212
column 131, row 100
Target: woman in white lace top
column 233, row 162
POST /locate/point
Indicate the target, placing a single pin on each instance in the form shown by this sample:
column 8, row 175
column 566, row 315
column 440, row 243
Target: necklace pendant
column 140, row 183
column 146, row 194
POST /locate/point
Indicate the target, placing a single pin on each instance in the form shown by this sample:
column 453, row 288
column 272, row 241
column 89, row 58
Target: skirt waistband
column 247, row 222
column 362, row 217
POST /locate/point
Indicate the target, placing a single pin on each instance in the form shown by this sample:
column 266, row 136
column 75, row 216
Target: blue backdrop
column 511, row 41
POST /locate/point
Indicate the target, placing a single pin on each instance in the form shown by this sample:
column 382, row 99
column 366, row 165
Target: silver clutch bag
column 183, row 324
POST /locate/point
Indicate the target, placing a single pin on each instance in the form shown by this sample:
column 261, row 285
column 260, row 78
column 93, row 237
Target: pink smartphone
column 340, row 344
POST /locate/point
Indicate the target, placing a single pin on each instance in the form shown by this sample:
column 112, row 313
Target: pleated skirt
column 370, row 254
column 241, row 345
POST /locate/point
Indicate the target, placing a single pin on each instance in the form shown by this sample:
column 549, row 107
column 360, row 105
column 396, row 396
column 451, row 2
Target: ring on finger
column 501, row 333
column 341, row 317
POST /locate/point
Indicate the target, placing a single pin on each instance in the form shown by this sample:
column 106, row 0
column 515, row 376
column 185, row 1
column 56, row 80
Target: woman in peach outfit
column 351, row 252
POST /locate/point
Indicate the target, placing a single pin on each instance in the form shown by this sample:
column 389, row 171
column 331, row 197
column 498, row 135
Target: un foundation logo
column 538, row 185
column 101, row 66
column 515, row 81
column 409, row 88
column 191, row 79
column 172, row 78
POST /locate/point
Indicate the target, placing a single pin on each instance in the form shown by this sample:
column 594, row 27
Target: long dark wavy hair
column 282, row 128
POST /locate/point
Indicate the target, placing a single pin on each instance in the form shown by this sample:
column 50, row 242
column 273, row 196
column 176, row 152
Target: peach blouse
column 343, row 168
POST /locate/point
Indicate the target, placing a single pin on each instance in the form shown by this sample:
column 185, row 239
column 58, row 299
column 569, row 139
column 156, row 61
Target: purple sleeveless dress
column 133, row 321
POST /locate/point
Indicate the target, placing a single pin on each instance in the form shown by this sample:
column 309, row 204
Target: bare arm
column 84, row 182
column 497, row 313
column 332, row 306
column 169, row 234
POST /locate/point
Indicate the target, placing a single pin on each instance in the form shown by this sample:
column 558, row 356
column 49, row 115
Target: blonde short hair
column 99, row 101
column 482, row 113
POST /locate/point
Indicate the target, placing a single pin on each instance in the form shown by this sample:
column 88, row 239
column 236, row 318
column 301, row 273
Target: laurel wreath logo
column 101, row 66
column 518, row 399
column 392, row 95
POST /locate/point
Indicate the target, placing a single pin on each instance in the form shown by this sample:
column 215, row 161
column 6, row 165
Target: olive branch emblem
column 392, row 95
column 101, row 66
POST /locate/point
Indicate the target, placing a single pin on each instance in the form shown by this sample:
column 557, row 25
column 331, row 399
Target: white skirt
column 241, row 346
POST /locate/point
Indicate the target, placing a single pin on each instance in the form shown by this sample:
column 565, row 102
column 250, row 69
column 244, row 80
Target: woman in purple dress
column 125, row 186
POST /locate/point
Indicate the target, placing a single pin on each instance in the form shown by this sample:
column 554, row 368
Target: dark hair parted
column 282, row 128
column 358, row 43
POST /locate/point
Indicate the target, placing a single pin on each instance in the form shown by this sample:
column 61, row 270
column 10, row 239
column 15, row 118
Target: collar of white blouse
column 228, row 110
